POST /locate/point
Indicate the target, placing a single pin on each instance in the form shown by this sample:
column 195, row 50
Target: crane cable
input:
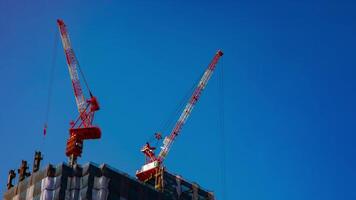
column 222, row 132
column 82, row 74
column 53, row 64
column 172, row 117
column 50, row 85
column 170, row 122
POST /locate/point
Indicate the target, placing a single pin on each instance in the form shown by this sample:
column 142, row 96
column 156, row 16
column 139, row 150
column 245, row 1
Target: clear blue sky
column 289, row 89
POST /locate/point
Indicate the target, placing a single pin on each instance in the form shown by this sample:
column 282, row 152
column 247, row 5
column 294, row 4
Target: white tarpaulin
column 50, row 187
column 101, row 188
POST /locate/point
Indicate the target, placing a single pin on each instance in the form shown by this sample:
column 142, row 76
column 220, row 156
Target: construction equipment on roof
column 82, row 128
column 153, row 168
column 91, row 181
column 11, row 176
column 37, row 161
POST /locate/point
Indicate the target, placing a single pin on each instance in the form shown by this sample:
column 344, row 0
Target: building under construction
column 98, row 183
column 90, row 181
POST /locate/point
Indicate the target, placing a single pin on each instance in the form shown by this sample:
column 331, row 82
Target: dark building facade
column 95, row 182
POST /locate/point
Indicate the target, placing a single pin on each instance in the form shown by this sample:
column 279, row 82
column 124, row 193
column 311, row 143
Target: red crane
column 82, row 128
column 153, row 165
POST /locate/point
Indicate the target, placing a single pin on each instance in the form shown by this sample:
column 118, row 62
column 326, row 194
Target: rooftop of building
column 95, row 181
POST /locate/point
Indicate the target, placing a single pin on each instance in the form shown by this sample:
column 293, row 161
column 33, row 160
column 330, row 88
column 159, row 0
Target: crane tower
column 81, row 129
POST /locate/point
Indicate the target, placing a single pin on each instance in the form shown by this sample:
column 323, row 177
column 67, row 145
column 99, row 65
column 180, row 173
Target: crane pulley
column 153, row 166
column 82, row 128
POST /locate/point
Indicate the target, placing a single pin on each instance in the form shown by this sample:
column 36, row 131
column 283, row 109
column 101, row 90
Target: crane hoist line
column 154, row 164
column 82, row 128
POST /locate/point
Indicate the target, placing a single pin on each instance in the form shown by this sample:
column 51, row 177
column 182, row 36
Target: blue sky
column 289, row 81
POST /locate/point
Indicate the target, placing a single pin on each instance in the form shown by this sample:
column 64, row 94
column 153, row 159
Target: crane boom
column 153, row 166
column 168, row 141
column 72, row 66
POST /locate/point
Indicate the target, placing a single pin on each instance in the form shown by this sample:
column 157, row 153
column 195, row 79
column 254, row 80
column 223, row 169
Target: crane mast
column 82, row 128
column 153, row 164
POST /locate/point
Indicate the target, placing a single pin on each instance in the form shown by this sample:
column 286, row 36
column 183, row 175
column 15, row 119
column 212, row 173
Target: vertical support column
column 72, row 160
column 159, row 182
column 179, row 186
column 124, row 189
column 195, row 189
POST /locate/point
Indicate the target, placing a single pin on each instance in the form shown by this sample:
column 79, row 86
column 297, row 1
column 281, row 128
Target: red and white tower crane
column 82, row 128
column 154, row 164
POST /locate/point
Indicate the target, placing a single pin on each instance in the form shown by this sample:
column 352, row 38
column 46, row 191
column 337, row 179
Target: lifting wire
column 82, row 74
column 222, row 132
column 171, row 117
column 53, row 65
column 50, row 85
column 179, row 107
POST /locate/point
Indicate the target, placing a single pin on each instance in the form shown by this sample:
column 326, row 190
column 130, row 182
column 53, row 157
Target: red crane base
column 77, row 135
column 86, row 133
column 148, row 171
column 74, row 146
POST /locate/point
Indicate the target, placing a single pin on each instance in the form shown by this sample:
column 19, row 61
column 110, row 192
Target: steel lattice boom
column 72, row 66
column 167, row 143
column 153, row 163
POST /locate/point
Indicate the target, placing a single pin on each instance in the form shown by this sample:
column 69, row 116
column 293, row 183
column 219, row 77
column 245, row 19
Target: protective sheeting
column 99, row 183
column 100, row 188
column 17, row 197
column 29, row 193
column 73, row 188
column 177, row 188
column 50, row 188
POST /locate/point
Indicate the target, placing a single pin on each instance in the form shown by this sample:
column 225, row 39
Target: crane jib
column 72, row 67
column 154, row 164
column 189, row 107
